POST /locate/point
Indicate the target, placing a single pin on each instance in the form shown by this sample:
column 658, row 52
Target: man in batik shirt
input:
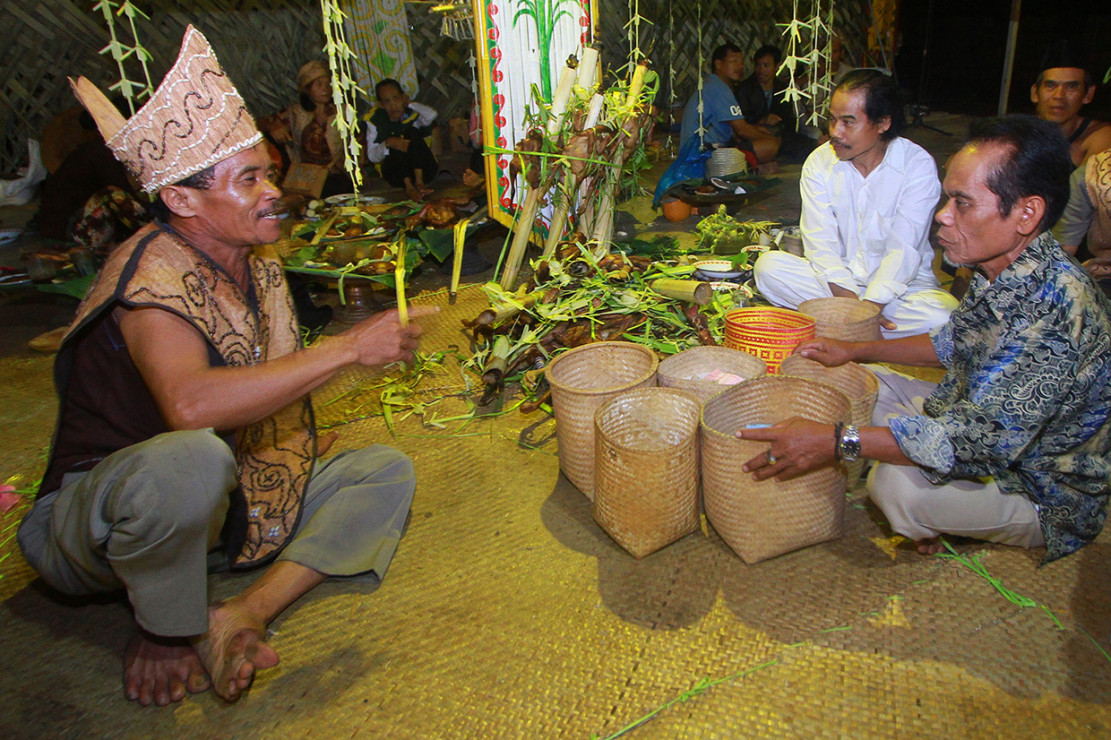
column 1013, row 445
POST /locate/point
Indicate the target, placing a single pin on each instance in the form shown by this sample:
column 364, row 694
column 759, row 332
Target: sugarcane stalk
column 690, row 291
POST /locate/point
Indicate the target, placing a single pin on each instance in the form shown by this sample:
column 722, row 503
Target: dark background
column 952, row 52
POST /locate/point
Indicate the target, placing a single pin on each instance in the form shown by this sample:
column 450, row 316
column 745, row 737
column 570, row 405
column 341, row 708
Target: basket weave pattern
column 762, row 519
column 646, row 468
column 582, row 379
column 847, row 319
column 855, row 381
column 770, row 334
column 679, row 371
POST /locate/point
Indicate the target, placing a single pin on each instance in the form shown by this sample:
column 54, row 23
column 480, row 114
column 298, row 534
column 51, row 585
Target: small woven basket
column 846, row 319
column 855, row 381
column 769, row 334
column 646, row 468
column 762, row 519
column 582, row 379
column 682, row 370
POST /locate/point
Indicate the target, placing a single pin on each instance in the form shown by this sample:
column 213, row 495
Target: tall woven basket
column 770, row 334
column 855, row 381
column 646, row 468
column 582, row 379
column 847, row 319
column 685, row 369
column 762, row 519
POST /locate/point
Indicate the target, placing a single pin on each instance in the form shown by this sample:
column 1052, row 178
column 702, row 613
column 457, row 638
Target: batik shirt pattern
column 1026, row 398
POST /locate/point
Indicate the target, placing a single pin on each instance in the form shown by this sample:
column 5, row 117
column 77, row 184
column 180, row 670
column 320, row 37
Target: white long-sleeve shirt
column 871, row 234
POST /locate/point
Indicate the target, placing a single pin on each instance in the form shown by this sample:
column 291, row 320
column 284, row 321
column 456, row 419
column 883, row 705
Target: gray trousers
column 919, row 509
column 146, row 516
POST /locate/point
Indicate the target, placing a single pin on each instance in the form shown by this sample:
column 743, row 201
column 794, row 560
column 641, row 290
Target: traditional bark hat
column 195, row 119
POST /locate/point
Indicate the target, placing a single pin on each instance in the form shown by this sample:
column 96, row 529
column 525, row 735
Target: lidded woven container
column 855, row 381
column 847, row 319
column 582, row 379
column 687, row 369
column 770, row 334
column 646, row 468
column 762, row 519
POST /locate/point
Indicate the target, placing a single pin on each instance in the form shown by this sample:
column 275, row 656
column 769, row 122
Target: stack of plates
column 726, row 161
column 770, row 334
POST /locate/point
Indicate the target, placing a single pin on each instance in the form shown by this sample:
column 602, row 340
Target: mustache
column 275, row 211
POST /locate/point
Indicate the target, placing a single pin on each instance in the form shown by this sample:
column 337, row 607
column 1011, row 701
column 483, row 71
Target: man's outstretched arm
column 172, row 357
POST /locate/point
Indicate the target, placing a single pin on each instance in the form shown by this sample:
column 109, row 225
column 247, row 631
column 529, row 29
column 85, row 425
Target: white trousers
column 919, row 509
column 786, row 281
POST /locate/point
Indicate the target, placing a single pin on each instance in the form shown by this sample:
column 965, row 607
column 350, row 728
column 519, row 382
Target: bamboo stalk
column 691, row 291
column 523, row 229
column 557, row 226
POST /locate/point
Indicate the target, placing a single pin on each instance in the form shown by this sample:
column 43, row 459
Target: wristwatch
column 848, row 447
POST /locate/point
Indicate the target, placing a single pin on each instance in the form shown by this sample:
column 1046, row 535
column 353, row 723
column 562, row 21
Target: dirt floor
column 509, row 613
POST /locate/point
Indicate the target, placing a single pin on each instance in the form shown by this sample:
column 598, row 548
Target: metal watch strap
column 850, row 443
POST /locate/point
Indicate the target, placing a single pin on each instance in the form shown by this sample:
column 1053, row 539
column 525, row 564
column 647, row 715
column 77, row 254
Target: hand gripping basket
column 684, row 369
column 847, row 319
column 762, row 519
column 855, row 381
column 770, row 334
column 582, row 379
column 646, row 468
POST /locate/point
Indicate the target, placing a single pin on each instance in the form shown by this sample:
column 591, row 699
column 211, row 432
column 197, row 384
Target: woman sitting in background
column 312, row 137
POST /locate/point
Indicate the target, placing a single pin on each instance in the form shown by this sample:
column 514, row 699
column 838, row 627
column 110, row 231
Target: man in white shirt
column 868, row 197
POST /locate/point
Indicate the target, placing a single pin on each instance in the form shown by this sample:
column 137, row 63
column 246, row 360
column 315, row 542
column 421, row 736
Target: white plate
column 9, row 235
column 366, row 200
column 717, row 269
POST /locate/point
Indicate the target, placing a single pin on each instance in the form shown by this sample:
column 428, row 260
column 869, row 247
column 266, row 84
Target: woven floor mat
column 356, row 392
column 508, row 613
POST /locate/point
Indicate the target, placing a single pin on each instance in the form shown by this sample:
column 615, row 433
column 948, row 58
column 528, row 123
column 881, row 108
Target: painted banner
column 522, row 46
column 378, row 33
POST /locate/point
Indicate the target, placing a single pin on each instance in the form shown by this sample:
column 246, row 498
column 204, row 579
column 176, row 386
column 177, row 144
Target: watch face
column 850, row 444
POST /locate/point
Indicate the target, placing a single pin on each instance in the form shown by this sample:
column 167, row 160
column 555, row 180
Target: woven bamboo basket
column 762, row 519
column 847, row 319
column 855, row 381
column 682, row 370
column 582, row 379
column 646, row 468
column 770, row 334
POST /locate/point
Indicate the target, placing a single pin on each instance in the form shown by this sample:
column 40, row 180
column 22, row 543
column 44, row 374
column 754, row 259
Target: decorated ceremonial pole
column 526, row 217
column 603, row 226
column 588, row 69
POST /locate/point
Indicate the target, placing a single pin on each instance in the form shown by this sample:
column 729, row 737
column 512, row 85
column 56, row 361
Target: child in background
column 395, row 139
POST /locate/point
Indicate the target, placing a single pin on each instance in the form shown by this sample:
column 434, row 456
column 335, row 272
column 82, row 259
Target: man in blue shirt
column 721, row 117
column 1014, row 445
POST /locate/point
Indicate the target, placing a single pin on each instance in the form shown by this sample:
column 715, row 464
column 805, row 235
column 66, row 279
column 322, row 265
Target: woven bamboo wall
column 261, row 43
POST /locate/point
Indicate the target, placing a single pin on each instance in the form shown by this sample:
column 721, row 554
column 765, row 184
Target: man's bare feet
column 161, row 670
column 931, row 546
column 233, row 649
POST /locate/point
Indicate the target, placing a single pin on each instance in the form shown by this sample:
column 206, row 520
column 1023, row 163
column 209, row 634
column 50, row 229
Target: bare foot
column 931, row 546
column 233, row 649
column 159, row 670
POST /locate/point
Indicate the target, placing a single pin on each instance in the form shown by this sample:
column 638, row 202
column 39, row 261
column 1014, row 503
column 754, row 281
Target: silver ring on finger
column 771, row 457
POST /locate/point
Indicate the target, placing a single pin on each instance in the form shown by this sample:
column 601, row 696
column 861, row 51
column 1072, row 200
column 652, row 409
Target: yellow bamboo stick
column 399, row 284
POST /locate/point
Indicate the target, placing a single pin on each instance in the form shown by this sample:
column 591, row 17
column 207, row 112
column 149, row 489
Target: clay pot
column 676, row 210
